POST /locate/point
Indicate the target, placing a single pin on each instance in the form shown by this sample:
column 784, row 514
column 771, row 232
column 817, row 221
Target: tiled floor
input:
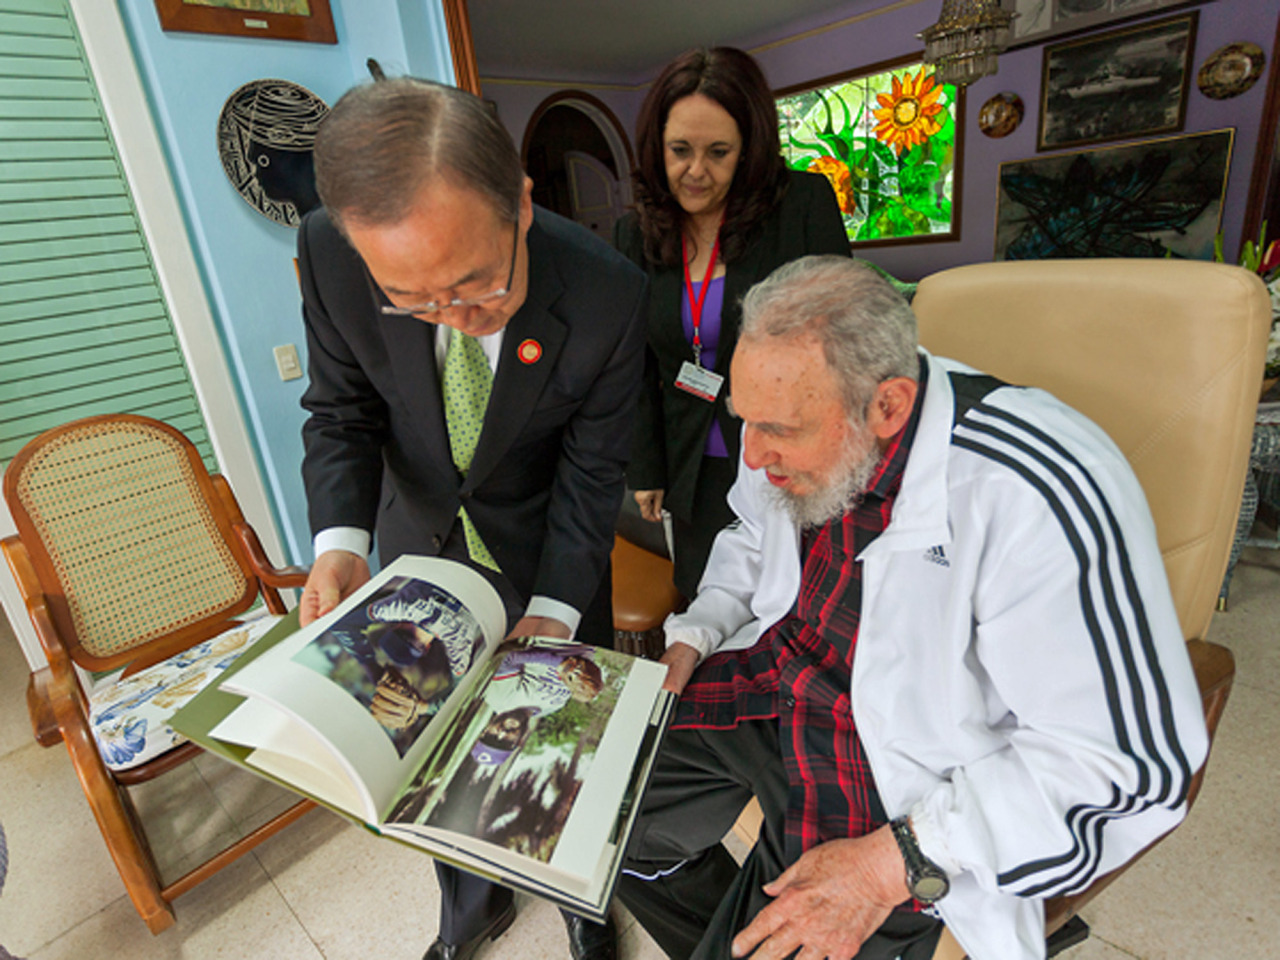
column 325, row 889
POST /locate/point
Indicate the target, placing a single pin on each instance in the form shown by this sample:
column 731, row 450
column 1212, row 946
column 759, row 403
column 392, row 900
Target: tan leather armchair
column 1164, row 355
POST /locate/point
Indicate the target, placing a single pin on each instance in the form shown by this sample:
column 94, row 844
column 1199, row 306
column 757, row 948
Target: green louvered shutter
column 84, row 328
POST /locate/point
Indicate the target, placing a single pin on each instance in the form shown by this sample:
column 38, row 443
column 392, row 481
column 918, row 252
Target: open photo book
column 522, row 760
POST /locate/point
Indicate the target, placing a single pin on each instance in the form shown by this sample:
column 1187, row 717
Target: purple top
column 709, row 334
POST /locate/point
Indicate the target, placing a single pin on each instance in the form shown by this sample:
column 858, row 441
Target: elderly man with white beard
column 937, row 645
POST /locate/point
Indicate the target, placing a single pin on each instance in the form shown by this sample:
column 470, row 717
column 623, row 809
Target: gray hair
column 867, row 331
column 382, row 142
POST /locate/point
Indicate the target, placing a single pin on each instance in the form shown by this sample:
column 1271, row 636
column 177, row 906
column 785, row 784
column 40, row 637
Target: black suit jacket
column 546, row 482
column 671, row 425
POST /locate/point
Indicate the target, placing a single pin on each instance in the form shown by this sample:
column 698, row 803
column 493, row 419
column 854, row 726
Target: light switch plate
column 287, row 361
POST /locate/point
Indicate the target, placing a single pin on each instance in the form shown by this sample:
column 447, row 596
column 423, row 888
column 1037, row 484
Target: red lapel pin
column 529, row 351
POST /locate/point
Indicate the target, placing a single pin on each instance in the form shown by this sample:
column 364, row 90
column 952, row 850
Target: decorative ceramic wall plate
column 1001, row 115
column 265, row 134
column 1231, row 70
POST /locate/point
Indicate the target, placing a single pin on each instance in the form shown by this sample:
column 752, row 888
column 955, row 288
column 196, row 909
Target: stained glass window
column 887, row 142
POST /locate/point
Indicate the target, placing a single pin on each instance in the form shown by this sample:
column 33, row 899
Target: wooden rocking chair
column 133, row 560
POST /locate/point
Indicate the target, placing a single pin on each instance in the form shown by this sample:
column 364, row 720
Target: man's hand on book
column 335, row 575
column 680, row 659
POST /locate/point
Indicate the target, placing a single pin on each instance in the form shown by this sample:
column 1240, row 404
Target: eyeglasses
column 418, row 310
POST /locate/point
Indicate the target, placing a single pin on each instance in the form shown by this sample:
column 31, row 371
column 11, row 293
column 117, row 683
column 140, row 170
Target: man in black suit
column 428, row 233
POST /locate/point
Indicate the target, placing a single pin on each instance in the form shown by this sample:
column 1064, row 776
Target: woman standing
column 716, row 211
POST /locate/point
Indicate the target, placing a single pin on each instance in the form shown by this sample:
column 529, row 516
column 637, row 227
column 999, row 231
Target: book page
column 588, row 894
column 371, row 681
column 293, row 753
column 534, row 769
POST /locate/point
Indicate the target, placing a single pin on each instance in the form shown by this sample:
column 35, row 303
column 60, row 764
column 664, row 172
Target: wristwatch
column 926, row 880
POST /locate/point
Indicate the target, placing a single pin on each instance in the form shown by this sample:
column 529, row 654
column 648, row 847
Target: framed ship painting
column 1127, row 83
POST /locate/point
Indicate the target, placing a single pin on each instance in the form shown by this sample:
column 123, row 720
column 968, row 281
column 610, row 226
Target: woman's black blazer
column 671, row 425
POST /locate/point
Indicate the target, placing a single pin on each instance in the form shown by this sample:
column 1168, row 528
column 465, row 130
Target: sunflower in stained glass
column 840, row 178
column 907, row 116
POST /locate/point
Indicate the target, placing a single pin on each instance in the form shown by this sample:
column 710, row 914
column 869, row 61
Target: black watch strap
column 926, row 880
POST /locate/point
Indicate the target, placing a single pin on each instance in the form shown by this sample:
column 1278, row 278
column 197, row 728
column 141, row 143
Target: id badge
column 699, row 381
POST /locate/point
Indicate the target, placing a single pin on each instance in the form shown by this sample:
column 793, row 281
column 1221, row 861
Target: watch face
column 929, row 888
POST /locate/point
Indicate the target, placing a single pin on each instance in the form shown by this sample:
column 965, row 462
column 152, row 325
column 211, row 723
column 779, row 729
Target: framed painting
column 1041, row 20
column 1131, row 82
column 309, row 20
column 889, row 138
column 1157, row 198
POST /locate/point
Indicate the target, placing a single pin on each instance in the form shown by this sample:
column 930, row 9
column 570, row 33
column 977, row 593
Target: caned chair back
column 1166, row 356
column 120, row 518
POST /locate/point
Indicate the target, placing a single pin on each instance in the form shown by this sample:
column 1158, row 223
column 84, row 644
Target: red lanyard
column 696, row 302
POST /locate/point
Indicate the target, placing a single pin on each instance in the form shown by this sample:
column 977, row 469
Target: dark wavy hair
column 732, row 79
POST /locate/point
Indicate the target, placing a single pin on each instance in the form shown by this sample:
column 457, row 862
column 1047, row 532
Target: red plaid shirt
column 801, row 669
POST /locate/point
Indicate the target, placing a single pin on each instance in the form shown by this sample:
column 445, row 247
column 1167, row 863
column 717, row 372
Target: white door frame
column 608, row 212
column 607, row 125
column 125, row 103
column 621, row 159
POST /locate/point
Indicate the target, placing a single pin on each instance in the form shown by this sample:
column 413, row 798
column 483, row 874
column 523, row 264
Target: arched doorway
column 579, row 159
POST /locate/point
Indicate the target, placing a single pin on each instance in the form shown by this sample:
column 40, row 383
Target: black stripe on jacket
column 1109, row 602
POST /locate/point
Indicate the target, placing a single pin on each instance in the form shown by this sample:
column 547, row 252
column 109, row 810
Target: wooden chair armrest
column 59, row 685
column 33, row 598
column 1215, row 669
column 279, row 577
column 272, row 579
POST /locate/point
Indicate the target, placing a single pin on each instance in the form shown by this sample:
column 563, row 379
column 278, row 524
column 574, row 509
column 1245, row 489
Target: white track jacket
column 1021, row 684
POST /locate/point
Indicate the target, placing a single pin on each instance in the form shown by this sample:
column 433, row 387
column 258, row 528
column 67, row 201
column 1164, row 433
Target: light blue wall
column 247, row 260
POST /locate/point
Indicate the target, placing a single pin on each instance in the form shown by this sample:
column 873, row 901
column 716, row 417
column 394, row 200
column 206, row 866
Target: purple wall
column 884, row 36
column 893, row 34
column 518, row 101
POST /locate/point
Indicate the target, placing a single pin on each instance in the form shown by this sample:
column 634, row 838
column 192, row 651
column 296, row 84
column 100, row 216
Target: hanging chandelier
column 963, row 44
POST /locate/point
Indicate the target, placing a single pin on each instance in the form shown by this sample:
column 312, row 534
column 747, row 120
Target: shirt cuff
column 700, row 638
column 352, row 539
column 556, row 610
column 930, row 839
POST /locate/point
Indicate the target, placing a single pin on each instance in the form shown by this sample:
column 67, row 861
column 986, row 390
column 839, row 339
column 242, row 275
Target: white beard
column 849, row 477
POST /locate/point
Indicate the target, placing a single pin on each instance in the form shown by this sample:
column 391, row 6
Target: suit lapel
column 530, row 349
column 667, row 329
column 411, row 349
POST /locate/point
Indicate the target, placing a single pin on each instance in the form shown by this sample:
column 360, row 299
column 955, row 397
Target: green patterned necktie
column 467, row 382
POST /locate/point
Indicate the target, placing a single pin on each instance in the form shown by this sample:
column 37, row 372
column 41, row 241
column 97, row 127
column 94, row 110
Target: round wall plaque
column 265, row 134
column 1001, row 115
column 1231, row 70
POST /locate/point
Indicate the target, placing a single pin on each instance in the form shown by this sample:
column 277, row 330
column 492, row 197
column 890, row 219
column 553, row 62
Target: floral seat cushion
column 130, row 717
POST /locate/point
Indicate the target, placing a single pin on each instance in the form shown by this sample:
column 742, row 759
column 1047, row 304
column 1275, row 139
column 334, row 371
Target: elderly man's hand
column 681, row 659
column 334, row 576
column 829, row 901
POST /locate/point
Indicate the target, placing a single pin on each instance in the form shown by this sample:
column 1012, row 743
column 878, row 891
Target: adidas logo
column 936, row 555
